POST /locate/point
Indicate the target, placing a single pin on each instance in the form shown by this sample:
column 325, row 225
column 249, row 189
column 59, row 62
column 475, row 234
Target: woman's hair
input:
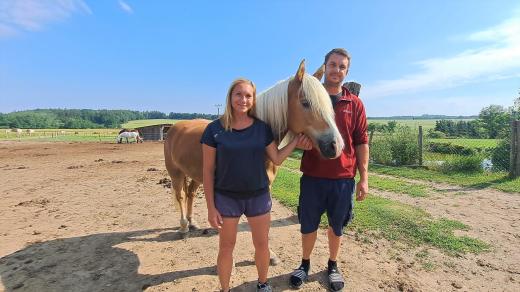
column 227, row 117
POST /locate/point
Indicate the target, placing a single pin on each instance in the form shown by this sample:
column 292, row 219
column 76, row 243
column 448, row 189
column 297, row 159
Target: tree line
column 493, row 122
column 85, row 118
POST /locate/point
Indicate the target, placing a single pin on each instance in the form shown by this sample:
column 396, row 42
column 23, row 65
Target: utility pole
column 218, row 109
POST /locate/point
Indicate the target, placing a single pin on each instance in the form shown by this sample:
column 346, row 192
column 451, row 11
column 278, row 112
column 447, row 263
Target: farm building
column 154, row 132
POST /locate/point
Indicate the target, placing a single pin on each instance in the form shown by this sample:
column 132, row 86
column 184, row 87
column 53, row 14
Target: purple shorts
column 251, row 207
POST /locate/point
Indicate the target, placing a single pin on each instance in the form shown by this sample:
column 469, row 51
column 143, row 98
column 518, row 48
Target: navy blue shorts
column 251, row 207
column 317, row 195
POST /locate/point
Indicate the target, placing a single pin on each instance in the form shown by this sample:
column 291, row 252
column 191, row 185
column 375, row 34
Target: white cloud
column 126, row 8
column 33, row 15
column 498, row 60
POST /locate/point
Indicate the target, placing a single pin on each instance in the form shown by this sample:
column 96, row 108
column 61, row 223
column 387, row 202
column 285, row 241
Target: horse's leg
column 177, row 189
column 274, row 260
column 192, row 188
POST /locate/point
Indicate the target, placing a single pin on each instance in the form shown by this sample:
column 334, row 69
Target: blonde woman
column 235, row 179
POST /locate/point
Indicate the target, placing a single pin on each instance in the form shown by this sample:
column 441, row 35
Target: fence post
column 515, row 150
column 420, row 146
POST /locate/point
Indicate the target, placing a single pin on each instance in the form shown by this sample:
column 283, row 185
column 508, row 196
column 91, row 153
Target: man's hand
column 304, row 142
column 361, row 189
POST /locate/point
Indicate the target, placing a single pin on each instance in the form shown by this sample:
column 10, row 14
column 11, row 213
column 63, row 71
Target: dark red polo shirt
column 351, row 121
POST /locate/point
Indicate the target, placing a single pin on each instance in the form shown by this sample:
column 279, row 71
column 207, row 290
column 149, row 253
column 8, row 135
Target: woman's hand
column 304, row 142
column 214, row 218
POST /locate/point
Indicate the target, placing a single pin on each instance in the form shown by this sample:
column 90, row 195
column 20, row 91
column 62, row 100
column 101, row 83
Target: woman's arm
column 278, row 156
column 208, row 180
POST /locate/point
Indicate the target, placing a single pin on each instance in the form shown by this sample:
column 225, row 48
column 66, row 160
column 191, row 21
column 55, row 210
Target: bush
column 399, row 148
column 435, row 134
column 448, row 148
column 463, row 164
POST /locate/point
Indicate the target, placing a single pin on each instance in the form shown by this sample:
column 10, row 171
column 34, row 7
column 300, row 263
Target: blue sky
column 412, row 57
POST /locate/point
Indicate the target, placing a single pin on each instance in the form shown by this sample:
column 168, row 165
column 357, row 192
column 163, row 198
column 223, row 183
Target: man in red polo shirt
column 327, row 185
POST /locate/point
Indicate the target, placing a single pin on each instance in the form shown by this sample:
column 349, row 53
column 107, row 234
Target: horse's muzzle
column 328, row 149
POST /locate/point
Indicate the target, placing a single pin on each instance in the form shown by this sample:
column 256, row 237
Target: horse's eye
column 306, row 103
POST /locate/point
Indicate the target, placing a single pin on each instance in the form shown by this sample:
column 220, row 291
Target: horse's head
column 310, row 112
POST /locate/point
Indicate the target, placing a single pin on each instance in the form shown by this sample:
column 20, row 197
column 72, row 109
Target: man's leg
column 339, row 212
column 312, row 204
column 334, row 244
column 308, row 241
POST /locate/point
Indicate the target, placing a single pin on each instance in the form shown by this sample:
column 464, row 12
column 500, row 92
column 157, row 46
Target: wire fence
column 406, row 146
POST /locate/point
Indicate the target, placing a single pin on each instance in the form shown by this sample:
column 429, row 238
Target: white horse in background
column 18, row 132
column 129, row 135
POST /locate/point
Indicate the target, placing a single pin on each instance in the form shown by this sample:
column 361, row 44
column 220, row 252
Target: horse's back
column 182, row 148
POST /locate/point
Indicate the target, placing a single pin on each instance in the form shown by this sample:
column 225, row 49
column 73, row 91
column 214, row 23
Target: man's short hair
column 339, row 51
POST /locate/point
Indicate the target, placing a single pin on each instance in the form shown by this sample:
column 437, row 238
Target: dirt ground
column 94, row 217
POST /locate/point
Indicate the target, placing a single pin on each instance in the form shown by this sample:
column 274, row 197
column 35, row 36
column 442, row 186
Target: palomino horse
column 125, row 133
column 299, row 104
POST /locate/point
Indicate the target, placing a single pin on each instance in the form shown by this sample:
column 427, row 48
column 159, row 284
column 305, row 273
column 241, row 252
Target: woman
column 235, row 179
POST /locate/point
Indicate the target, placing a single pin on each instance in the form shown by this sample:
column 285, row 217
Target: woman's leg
column 260, row 233
column 227, row 239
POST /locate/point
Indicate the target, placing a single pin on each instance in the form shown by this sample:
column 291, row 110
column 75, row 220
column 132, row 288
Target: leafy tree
column 495, row 120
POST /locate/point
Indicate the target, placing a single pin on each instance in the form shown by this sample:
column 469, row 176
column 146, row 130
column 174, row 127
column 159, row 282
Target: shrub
column 448, row 148
column 435, row 134
column 398, row 148
column 463, row 164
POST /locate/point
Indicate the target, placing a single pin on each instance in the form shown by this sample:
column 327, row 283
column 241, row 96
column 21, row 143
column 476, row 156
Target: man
column 328, row 184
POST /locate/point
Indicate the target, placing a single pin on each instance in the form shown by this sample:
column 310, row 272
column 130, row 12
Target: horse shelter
column 154, row 132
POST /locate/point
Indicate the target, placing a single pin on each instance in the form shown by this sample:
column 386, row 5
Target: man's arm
column 362, row 154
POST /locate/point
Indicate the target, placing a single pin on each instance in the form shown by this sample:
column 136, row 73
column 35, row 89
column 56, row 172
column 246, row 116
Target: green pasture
column 414, row 124
column 78, row 135
column 390, row 219
column 469, row 143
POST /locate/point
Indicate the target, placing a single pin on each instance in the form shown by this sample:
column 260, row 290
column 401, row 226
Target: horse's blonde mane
column 271, row 104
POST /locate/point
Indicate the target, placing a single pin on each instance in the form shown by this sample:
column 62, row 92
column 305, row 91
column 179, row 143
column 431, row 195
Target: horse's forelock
column 318, row 97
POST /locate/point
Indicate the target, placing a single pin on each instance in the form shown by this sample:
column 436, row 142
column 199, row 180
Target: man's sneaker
column 298, row 276
column 336, row 282
column 265, row 287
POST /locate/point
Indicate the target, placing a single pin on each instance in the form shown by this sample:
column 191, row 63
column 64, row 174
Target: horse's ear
column 319, row 73
column 301, row 71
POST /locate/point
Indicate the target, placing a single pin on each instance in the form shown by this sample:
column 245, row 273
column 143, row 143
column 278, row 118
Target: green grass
column 393, row 220
column 73, row 138
column 397, row 186
column 386, row 184
column 143, row 123
column 496, row 180
column 81, row 135
column 469, row 143
column 292, row 163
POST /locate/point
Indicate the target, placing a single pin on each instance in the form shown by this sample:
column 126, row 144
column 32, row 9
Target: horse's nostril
column 333, row 146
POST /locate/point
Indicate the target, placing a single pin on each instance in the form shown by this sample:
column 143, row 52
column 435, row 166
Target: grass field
column 390, row 219
column 414, row 124
column 79, row 135
column 470, row 143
